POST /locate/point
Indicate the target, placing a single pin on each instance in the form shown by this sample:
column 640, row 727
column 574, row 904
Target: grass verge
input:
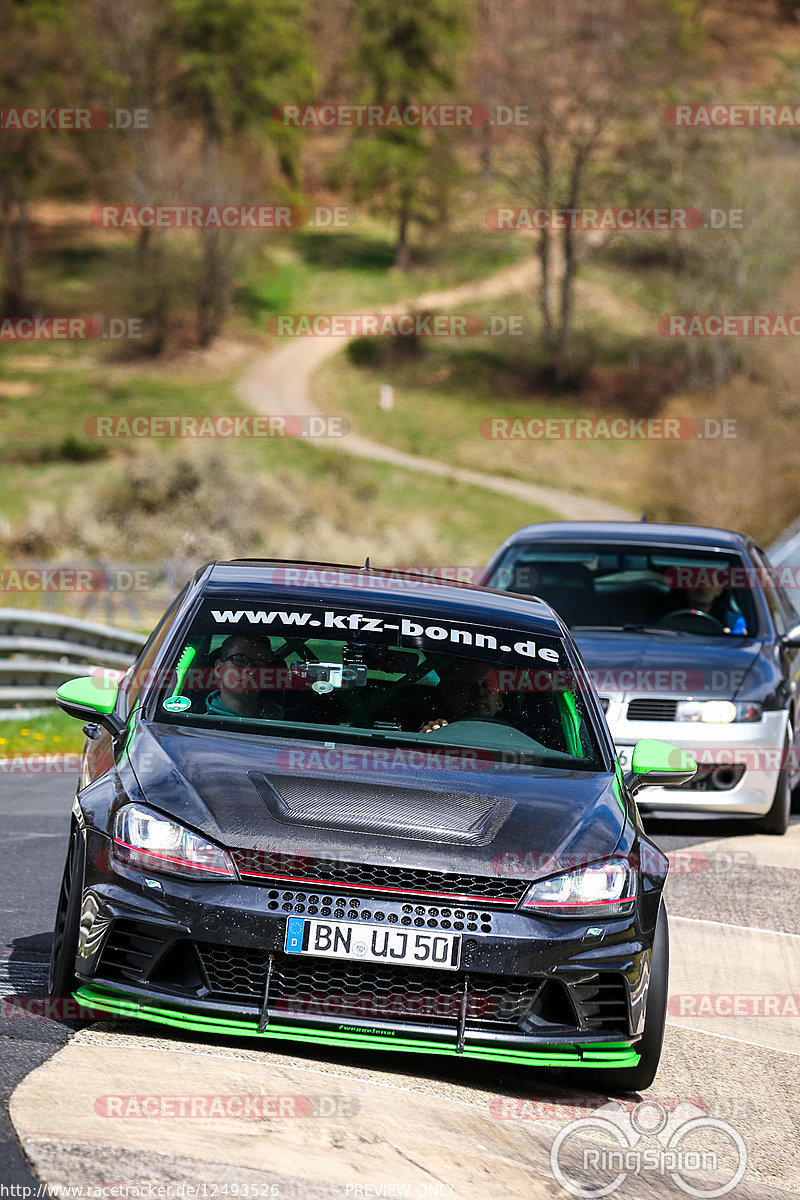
column 52, row 733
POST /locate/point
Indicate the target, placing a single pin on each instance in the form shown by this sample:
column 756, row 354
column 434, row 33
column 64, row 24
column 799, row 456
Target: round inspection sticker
column 177, row 703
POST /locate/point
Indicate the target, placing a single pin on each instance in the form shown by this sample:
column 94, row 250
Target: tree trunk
column 210, row 292
column 210, row 304
column 401, row 257
column 544, row 247
column 14, row 249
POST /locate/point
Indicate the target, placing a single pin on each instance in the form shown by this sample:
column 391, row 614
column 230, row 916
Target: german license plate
column 373, row 943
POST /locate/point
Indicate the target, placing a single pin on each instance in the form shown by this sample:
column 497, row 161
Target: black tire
column 61, row 980
column 636, row 1079
column 794, row 779
column 776, row 821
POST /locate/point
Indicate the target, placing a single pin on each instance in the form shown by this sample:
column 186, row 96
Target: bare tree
column 574, row 74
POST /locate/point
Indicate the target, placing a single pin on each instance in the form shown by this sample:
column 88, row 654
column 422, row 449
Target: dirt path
column 280, row 383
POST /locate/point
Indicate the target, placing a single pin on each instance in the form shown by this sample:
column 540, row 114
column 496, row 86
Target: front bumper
column 206, row 956
column 605, row 1054
column 756, row 746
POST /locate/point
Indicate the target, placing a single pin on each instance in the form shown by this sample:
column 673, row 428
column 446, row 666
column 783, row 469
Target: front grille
column 351, row 908
column 262, row 866
column 366, row 991
column 310, row 988
column 648, row 709
column 233, row 971
column 604, row 702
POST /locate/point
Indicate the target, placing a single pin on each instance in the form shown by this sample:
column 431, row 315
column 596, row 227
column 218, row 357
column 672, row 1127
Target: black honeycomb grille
column 312, row 988
column 269, row 868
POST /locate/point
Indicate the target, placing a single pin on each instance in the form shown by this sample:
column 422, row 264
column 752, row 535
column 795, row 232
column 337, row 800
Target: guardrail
column 39, row 650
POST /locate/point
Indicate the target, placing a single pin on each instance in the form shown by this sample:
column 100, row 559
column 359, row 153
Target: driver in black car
column 717, row 602
column 466, row 692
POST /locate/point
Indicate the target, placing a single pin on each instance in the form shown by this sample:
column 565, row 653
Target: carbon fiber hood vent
column 356, row 807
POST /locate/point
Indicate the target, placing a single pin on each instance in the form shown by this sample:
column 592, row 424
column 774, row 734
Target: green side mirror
column 659, row 764
column 92, row 698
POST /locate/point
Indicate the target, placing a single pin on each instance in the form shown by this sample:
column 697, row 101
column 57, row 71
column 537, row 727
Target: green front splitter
column 601, row 1054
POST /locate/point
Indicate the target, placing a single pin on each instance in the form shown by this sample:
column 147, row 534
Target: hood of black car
column 488, row 820
column 664, row 664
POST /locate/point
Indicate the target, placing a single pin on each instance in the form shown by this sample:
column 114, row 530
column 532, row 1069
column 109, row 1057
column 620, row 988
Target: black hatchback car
column 330, row 804
column 687, row 636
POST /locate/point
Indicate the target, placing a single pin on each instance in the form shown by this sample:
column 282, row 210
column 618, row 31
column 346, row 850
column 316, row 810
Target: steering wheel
column 467, row 721
column 691, row 620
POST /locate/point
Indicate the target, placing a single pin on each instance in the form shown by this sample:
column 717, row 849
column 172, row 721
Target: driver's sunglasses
column 244, row 660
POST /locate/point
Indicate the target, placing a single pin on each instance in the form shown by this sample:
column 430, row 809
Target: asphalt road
column 34, row 818
column 432, row 1126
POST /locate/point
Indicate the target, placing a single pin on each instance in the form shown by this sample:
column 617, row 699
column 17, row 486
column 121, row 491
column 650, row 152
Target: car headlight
column 718, row 712
column 146, row 839
column 605, row 889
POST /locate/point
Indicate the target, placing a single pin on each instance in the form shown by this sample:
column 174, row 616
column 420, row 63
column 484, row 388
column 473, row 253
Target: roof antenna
column 366, row 564
column 644, row 514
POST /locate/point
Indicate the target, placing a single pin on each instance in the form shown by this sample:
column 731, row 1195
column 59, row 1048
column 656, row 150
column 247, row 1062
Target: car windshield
column 647, row 589
column 346, row 678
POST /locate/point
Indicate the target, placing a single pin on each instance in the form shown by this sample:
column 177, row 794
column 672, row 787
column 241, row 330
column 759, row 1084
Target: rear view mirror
column 324, row 677
column 659, row 764
column 92, row 698
column 791, row 638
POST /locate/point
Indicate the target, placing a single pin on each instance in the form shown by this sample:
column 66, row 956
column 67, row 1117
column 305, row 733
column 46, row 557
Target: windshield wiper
column 625, row 629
